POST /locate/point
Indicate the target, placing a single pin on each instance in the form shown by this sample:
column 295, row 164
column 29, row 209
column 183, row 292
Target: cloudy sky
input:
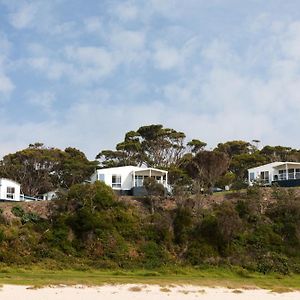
column 83, row 72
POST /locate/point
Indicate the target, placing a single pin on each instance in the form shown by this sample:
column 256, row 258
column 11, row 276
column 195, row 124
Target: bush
column 274, row 262
column 18, row 211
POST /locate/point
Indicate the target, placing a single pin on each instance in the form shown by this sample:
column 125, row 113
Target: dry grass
column 165, row 290
column 281, row 290
column 135, row 289
column 237, row 291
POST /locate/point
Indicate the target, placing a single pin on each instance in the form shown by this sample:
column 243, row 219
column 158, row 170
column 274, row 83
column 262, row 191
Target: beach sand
column 138, row 292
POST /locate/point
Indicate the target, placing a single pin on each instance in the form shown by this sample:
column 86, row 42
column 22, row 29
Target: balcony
column 289, row 176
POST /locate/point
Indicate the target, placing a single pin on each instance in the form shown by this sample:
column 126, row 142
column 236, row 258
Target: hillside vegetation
column 88, row 227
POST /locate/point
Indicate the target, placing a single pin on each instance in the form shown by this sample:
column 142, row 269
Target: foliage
column 39, row 169
column 91, row 227
column 151, row 145
column 207, row 167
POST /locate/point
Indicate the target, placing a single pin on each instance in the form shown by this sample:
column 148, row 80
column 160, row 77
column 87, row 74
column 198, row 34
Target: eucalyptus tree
column 40, row 169
column 151, row 146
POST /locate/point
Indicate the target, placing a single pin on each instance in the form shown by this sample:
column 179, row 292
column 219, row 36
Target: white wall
column 4, row 184
column 124, row 172
column 50, row 195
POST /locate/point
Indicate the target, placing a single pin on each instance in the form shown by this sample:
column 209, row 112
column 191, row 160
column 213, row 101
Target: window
column 101, row 177
column 116, row 181
column 10, row 192
column 139, row 180
column 264, row 176
column 282, row 174
column 251, row 176
column 291, row 173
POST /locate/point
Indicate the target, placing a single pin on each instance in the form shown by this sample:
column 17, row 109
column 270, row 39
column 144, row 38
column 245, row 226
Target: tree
column 33, row 168
column 75, row 167
column 40, row 169
column 196, row 145
column 206, row 167
column 151, row 145
column 233, row 148
column 154, row 190
column 278, row 153
column 161, row 147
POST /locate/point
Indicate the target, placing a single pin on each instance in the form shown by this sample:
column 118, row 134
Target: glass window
column 251, row 176
column 101, row 177
column 264, row 176
column 116, row 181
column 10, row 192
column 139, row 180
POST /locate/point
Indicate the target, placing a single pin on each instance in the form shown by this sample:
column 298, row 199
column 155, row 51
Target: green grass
column 207, row 277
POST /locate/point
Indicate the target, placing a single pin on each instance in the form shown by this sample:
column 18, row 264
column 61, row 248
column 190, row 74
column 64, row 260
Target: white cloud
column 44, row 100
column 122, row 39
column 125, row 11
column 6, row 85
column 93, row 24
column 92, row 63
column 24, row 16
column 166, row 57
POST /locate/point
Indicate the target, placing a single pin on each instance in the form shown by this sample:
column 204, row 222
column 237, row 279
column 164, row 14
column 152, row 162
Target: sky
column 82, row 73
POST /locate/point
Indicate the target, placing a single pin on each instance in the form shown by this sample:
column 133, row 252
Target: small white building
column 129, row 180
column 281, row 173
column 50, row 195
column 10, row 190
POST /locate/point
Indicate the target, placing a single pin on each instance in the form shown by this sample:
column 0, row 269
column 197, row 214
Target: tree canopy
column 40, row 169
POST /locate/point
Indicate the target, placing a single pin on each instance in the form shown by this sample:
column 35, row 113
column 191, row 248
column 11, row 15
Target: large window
column 116, row 181
column 251, row 176
column 282, row 174
column 10, row 192
column 264, row 176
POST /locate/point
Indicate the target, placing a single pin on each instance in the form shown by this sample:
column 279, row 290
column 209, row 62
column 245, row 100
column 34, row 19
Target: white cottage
column 285, row 174
column 10, row 190
column 129, row 180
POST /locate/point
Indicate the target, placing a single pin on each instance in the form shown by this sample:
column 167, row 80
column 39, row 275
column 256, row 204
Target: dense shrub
column 90, row 227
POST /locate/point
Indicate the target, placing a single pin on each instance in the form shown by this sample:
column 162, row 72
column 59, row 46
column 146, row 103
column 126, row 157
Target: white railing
column 140, row 182
column 288, row 176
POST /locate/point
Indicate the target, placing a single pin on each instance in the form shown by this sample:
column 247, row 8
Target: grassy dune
column 210, row 277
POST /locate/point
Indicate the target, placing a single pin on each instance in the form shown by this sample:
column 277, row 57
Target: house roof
column 7, row 179
column 276, row 164
column 131, row 168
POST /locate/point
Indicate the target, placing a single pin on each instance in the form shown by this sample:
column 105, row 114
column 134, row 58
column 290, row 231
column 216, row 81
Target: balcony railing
column 140, row 182
column 288, row 176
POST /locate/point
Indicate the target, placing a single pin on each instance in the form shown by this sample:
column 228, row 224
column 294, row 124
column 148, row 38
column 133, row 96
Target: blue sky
column 82, row 73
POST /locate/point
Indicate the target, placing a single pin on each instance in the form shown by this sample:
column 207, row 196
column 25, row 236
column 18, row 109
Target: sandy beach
column 138, row 292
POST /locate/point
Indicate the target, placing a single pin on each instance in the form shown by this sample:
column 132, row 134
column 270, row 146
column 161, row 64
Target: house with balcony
column 129, row 180
column 285, row 174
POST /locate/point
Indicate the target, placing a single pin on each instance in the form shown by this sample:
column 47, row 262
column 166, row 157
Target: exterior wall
column 257, row 171
column 50, row 195
column 274, row 172
column 4, row 184
column 124, row 172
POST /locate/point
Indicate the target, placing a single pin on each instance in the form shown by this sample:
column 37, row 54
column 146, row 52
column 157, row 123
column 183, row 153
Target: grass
column 38, row 277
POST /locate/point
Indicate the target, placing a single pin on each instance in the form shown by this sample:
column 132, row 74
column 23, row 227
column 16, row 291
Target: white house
column 129, row 180
column 50, row 195
column 10, row 190
column 281, row 173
